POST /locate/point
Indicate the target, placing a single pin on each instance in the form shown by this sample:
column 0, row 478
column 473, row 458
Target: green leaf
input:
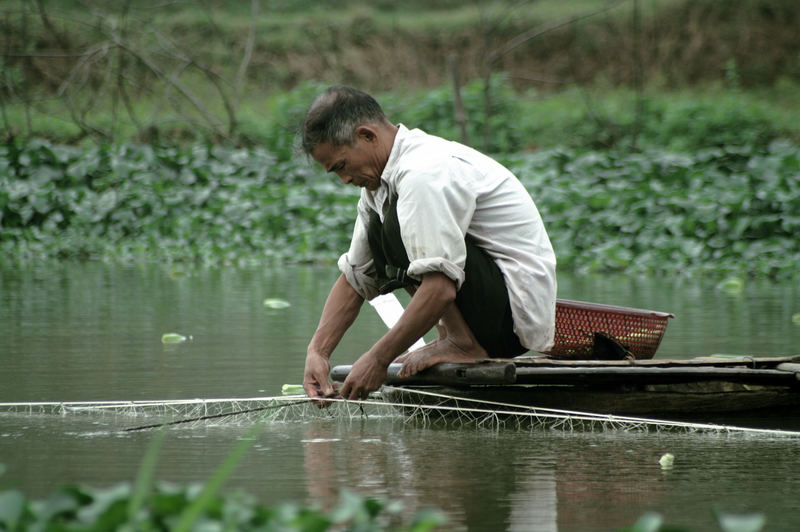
column 749, row 522
column 172, row 338
column 64, row 503
column 12, row 508
column 108, row 510
column 649, row 522
column 428, row 519
column 732, row 286
column 214, row 484
column 144, row 478
column 275, row 303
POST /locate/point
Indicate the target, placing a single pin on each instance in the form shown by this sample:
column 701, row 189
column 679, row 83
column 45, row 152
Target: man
column 451, row 225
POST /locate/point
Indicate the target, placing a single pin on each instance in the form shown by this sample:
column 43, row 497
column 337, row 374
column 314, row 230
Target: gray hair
column 335, row 115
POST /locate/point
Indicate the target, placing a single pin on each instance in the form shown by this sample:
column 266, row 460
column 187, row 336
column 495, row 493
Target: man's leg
column 456, row 343
column 483, row 302
column 477, row 325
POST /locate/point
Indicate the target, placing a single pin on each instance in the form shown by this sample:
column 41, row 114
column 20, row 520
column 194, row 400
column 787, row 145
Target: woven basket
column 639, row 331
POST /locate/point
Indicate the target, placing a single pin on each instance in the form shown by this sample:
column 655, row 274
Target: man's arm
column 340, row 311
column 430, row 300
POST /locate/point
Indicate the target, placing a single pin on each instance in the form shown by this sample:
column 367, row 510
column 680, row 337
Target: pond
column 84, row 332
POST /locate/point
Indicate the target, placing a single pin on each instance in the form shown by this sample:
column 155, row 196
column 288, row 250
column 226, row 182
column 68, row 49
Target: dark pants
column 482, row 299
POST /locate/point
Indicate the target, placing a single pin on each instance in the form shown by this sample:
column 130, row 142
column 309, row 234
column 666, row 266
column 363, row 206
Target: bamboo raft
column 602, row 363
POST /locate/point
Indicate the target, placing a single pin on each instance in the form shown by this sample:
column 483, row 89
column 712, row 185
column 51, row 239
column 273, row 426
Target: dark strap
column 395, row 278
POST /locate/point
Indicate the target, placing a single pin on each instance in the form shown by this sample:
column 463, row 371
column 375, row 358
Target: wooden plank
column 543, row 370
column 650, row 375
column 746, row 361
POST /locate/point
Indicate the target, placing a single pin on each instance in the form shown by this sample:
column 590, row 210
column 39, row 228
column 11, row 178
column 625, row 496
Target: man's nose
column 346, row 178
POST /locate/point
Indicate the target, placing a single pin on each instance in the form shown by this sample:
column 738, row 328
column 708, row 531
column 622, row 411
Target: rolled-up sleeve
column 434, row 211
column 357, row 264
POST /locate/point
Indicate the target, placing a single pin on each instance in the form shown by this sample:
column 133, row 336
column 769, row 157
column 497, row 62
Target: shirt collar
column 379, row 199
column 394, row 155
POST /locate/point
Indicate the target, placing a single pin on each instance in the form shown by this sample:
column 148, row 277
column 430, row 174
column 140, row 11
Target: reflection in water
column 480, row 479
column 543, row 480
column 484, row 479
column 534, row 506
column 93, row 331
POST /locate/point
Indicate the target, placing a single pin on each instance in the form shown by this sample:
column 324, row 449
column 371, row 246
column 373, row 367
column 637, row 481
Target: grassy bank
column 598, row 117
column 384, row 45
column 118, row 72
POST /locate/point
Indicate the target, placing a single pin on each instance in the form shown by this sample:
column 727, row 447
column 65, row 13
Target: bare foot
column 441, row 329
column 442, row 350
column 456, row 343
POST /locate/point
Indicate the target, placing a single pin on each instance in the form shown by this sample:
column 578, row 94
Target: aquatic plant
column 728, row 211
column 724, row 211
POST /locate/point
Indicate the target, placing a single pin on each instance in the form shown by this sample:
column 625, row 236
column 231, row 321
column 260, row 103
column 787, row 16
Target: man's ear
column 366, row 132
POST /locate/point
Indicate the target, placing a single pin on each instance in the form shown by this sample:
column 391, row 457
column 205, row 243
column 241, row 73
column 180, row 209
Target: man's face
column 360, row 165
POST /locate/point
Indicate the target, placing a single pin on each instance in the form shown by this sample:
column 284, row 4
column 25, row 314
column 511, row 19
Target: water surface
column 93, row 332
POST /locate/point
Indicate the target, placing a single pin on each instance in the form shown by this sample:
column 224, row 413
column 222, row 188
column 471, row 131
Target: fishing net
column 436, row 408
column 140, row 415
column 404, row 404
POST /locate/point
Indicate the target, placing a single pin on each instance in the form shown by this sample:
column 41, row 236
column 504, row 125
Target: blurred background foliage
column 655, row 135
column 220, row 71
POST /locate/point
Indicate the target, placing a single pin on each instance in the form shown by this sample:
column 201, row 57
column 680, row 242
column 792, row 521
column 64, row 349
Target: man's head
column 346, row 131
column 335, row 114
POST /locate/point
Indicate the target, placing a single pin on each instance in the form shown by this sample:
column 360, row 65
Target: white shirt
column 446, row 190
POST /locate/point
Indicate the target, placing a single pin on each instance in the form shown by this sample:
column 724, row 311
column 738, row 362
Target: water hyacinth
column 729, row 211
column 276, row 303
column 173, row 338
column 667, row 461
column 292, row 389
column 732, row 286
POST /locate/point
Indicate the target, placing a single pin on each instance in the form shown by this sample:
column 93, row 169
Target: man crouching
column 451, row 225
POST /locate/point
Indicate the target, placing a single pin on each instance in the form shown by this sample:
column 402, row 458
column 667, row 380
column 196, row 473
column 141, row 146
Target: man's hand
column 427, row 305
column 366, row 375
column 315, row 376
column 340, row 311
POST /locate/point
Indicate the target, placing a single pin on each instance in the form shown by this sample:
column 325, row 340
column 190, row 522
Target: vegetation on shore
column 168, row 133
column 721, row 207
column 214, row 71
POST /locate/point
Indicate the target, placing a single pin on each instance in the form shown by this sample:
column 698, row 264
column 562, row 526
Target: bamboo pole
column 448, row 374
